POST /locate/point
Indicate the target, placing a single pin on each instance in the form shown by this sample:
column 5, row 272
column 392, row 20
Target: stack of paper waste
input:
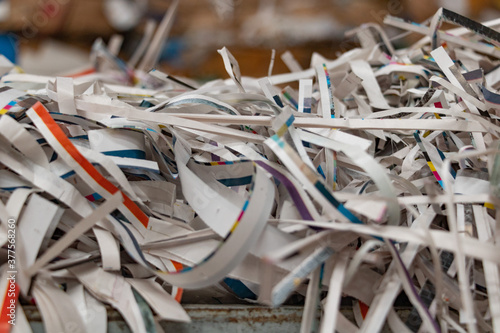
column 364, row 176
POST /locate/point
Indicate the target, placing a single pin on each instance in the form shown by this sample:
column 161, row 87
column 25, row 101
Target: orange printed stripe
column 178, row 295
column 363, row 308
column 59, row 135
column 178, row 267
column 82, row 73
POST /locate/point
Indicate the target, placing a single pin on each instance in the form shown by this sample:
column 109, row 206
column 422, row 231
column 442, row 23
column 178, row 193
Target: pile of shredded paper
column 365, row 176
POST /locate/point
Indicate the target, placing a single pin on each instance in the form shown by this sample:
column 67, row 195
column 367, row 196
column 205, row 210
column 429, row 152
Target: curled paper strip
column 379, row 175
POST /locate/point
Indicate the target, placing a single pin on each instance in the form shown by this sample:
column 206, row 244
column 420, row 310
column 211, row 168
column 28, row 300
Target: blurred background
column 55, row 36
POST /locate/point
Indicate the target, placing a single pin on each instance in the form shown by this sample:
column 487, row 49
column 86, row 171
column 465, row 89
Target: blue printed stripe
column 236, row 181
column 130, row 153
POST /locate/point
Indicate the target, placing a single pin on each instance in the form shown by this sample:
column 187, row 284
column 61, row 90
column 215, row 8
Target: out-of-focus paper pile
column 371, row 174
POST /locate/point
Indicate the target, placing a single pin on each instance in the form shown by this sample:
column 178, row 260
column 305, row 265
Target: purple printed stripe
column 490, row 96
column 297, row 199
